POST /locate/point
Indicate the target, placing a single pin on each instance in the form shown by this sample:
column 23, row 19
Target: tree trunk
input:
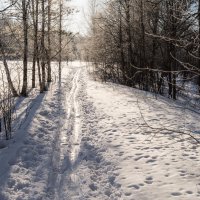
column 172, row 49
column 143, row 49
column 60, row 41
column 43, row 49
column 25, row 56
column 123, row 70
column 39, row 75
column 35, row 48
column 129, row 40
column 49, row 43
column 10, row 83
column 199, row 44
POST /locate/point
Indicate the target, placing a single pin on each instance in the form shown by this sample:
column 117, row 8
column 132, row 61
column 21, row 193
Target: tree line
column 32, row 36
column 153, row 45
column 33, row 31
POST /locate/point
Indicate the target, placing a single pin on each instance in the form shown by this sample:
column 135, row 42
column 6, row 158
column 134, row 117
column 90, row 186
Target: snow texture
column 87, row 140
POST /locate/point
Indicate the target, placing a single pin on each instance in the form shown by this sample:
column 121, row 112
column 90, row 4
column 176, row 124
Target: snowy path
column 148, row 164
column 86, row 140
column 62, row 176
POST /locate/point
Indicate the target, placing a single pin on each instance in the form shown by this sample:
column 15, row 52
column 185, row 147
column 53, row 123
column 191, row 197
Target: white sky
column 78, row 21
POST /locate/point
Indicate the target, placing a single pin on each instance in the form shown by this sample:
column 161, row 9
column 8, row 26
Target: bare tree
column 43, row 49
column 49, row 42
column 35, row 13
column 25, row 4
column 10, row 83
column 60, row 38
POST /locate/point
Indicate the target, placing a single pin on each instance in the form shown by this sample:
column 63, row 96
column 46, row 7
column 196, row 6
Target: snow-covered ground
column 85, row 139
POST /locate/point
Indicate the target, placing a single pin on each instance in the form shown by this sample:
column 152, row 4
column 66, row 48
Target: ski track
column 86, row 140
column 68, row 144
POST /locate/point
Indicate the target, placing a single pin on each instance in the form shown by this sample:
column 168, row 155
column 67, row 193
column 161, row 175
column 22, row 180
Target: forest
column 32, row 36
column 99, row 99
column 151, row 45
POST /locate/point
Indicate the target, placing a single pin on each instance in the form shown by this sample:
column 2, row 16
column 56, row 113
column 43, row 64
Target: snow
column 84, row 139
column 149, row 164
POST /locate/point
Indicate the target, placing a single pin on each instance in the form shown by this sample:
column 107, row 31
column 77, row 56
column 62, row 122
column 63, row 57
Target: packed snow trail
column 73, row 110
column 87, row 140
column 68, row 143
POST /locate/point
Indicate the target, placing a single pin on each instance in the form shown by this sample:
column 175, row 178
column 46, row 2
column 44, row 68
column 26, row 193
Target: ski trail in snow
column 70, row 181
column 73, row 116
column 63, row 178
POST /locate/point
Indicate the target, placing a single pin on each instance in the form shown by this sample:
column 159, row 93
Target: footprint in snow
column 93, row 187
column 189, row 192
column 149, row 178
column 111, row 179
column 137, row 187
column 138, row 158
column 176, row 194
column 128, row 193
column 151, row 161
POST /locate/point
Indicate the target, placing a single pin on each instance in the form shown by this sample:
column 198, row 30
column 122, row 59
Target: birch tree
column 25, row 5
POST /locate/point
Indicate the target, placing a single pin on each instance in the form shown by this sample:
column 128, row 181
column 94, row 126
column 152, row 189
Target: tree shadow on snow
column 19, row 149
